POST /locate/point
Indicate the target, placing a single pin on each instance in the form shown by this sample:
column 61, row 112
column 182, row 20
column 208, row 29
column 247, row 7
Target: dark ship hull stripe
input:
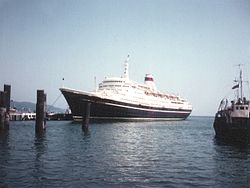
column 111, row 109
column 236, row 130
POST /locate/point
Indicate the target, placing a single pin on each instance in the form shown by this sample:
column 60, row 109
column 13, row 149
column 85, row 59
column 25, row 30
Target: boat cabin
column 240, row 108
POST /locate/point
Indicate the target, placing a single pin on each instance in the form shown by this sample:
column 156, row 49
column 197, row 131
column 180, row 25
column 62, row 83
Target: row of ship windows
column 176, row 102
column 241, row 108
column 113, row 81
column 112, row 86
column 143, row 87
column 164, row 96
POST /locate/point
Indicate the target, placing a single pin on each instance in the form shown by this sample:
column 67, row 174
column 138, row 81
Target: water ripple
column 148, row 154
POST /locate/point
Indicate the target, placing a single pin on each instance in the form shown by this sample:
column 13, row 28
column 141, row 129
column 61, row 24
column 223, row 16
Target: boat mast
column 241, row 84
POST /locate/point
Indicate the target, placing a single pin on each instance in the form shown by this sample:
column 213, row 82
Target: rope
column 55, row 101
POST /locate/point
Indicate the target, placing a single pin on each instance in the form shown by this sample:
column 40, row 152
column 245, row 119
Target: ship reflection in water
column 130, row 154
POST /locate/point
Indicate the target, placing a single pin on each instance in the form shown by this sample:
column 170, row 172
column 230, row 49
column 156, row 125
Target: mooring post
column 45, row 110
column 7, row 92
column 86, row 115
column 2, row 110
column 2, row 118
column 40, row 111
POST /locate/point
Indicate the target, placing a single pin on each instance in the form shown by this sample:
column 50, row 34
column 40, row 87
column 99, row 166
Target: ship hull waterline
column 111, row 110
column 236, row 131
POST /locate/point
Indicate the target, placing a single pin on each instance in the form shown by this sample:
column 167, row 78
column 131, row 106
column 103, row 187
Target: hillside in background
column 31, row 107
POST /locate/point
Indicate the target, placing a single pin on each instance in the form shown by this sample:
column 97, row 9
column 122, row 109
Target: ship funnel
column 125, row 75
column 149, row 80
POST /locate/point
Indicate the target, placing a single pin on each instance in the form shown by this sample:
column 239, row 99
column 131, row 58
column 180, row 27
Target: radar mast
column 126, row 75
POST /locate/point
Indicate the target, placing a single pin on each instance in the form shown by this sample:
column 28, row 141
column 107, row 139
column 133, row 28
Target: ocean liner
column 232, row 121
column 119, row 98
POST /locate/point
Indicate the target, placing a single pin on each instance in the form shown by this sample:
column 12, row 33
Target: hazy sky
column 190, row 46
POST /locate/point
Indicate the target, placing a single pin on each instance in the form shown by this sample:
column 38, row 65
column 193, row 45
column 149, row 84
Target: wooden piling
column 2, row 110
column 2, row 99
column 86, row 116
column 7, row 90
column 2, row 118
column 40, row 111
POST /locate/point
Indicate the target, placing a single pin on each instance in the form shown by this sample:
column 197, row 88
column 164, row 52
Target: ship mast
column 241, row 83
column 126, row 76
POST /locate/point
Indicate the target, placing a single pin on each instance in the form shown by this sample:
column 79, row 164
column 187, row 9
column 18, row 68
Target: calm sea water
column 141, row 154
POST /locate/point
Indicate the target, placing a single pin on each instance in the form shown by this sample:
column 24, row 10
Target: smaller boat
column 232, row 121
